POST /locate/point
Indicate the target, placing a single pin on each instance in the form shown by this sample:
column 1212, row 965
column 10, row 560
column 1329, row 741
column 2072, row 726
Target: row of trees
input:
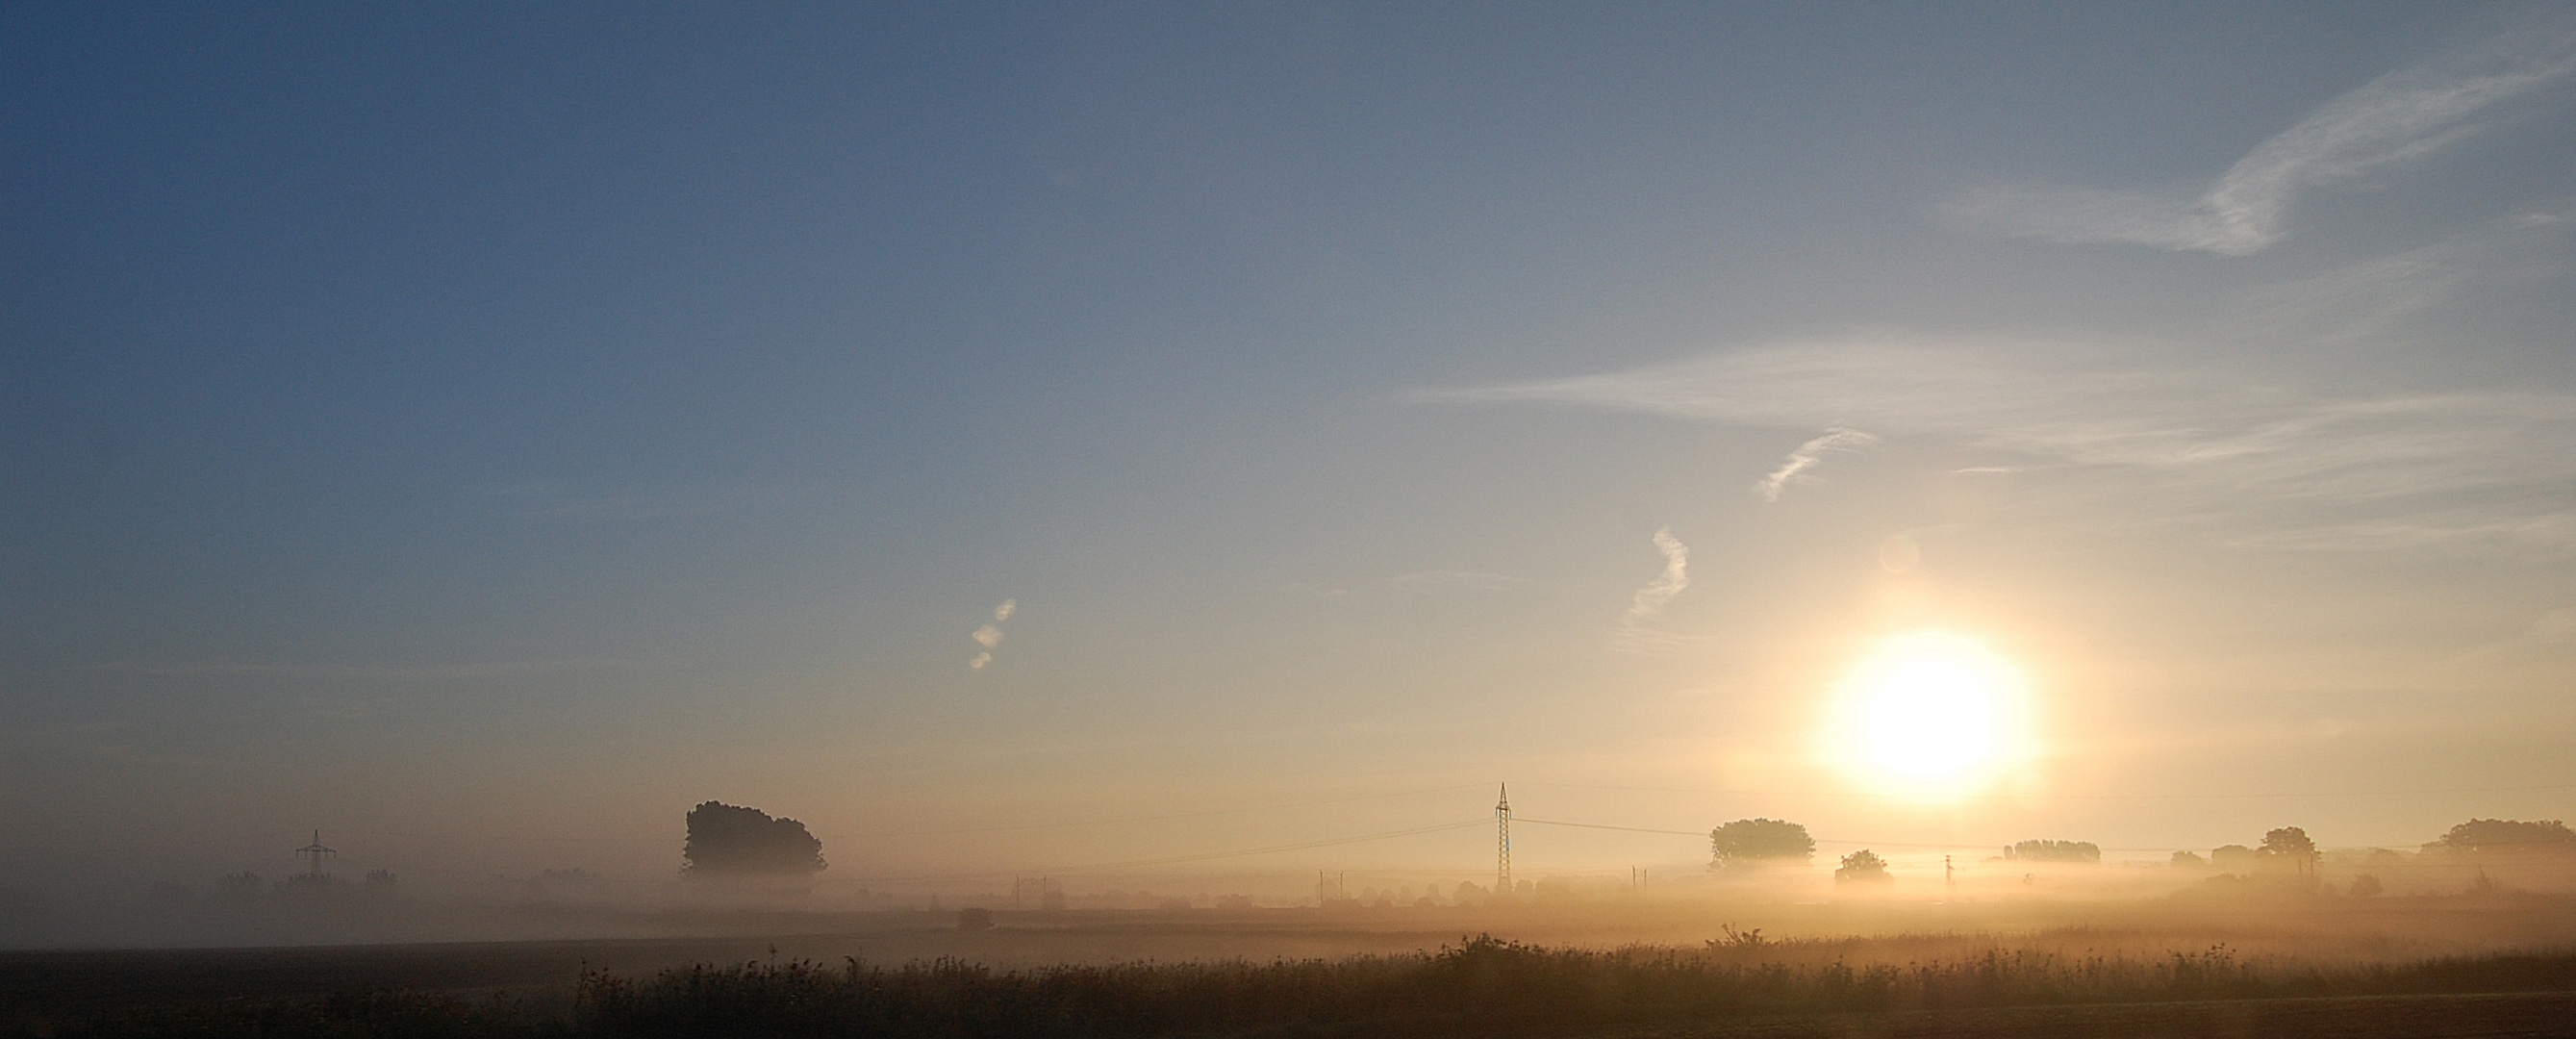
column 2287, row 848
column 733, row 841
column 2507, row 835
column 2054, row 851
column 1753, row 843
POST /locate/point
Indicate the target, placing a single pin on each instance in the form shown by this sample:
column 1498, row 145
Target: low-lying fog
column 2362, row 902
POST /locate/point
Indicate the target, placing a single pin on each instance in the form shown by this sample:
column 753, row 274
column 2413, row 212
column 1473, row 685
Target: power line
column 1152, row 818
column 510, row 838
column 1169, row 860
column 1277, row 848
column 505, row 838
column 1604, row 826
column 1819, row 840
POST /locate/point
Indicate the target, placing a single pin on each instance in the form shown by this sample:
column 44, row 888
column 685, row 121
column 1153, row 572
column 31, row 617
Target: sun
column 1931, row 714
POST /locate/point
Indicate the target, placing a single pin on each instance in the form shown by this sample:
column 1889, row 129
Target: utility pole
column 1503, row 842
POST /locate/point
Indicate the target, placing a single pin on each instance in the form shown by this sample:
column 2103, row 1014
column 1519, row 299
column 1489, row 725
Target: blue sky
column 509, row 421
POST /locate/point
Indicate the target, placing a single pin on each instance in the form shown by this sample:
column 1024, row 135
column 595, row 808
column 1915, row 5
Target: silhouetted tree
column 2287, row 841
column 1752, row 842
column 2054, row 851
column 2187, row 860
column 726, row 841
column 2234, row 858
column 1862, row 867
column 2288, row 847
column 2507, row 834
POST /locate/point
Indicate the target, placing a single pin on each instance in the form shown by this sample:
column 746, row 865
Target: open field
column 1482, row 987
column 2497, row 965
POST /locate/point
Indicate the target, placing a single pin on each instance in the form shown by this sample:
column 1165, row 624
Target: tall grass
column 1482, row 985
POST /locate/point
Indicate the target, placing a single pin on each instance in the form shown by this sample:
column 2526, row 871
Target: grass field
column 1283, row 974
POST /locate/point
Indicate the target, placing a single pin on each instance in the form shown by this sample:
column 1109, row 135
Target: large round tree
column 729, row 841
column 1746, row 843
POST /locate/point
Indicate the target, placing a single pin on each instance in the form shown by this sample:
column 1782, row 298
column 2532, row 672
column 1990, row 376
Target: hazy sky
column 454, row 426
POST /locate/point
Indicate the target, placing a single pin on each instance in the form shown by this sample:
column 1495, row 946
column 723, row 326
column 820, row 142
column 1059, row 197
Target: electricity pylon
column 313, row 854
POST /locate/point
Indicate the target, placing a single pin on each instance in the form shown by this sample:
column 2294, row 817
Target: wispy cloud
column 341, row 672
column 2458, row 529
column 1634, row 634
column 1649, row 601
column 2546, row 638
column 2404, row 114
column 989, row 636
column 1316, row 590
column 1808, row 456
column 2364, row 298
column 1466, row 580
column 2278, row 467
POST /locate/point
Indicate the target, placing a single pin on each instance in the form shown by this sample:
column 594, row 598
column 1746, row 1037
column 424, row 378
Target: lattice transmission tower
column 1503, row 842
column 313, row 854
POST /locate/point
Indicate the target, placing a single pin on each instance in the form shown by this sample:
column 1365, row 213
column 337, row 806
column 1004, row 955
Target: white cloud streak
column 1808, row 456
column 1649, row 601
column 2279, row 469
column 1635, row 635
column 2402, row 115
column 989, row 636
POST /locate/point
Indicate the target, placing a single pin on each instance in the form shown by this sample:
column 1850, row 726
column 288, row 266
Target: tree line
column 1753, row 844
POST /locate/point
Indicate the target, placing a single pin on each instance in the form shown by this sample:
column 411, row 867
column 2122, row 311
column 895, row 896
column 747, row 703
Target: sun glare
column 1931, row 714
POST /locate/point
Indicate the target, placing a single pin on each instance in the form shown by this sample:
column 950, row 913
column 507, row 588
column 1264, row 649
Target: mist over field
column 2485, row 885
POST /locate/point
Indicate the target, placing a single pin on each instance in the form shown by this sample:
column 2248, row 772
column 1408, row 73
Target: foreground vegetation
column 1481, row 986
